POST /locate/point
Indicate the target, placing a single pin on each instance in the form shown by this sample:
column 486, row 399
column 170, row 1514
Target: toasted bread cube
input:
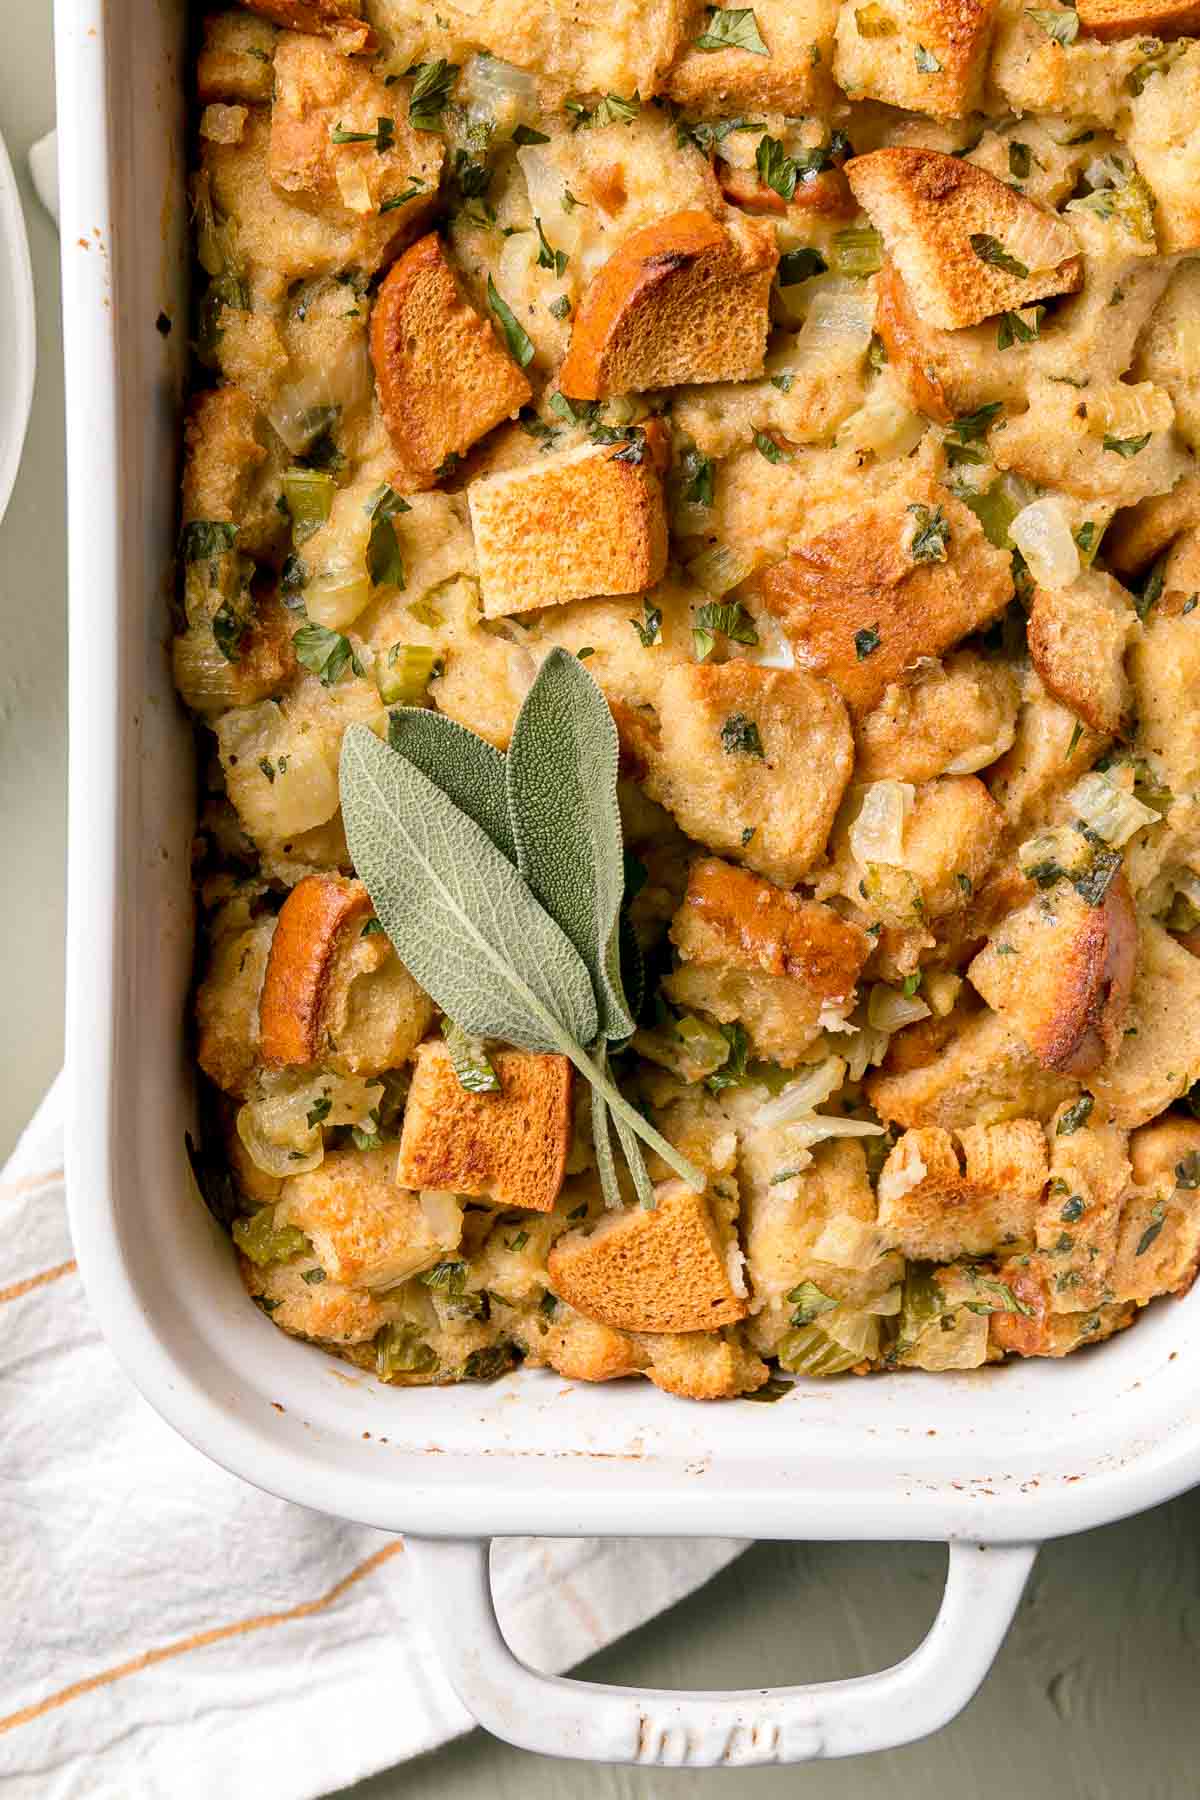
column 983, row 1075
column 227, row 1046
column 1165, row 354
column 959, row 716
column 222, row 455
column 793, row 78
column 366, row 1229
column 1158, row 1058
column 681, row 300
column 341, row 21
column 865, row 599
column 1158, row 1251
column 1078, row 1214
column 1035, row 1329
column 1061, row 971
column 1164, row 667
column 942, row 1197
column 1140, row 533
column 326, row 1312
column 235, row 61
column 702, row 1365
column 1164, row 140
column 650, row 1271
column 951, row 835
column 818, row 1226
column 1106, row 19
column 1048, row 754
column 511, row 1146
column 945, row 224
column 1077, row 640
column 444, row 379
column 1069, row 440
column 335, row 991
column 1036, row 74
column 752, row 951
column 752, row 762
column 929, row 56
column 581, row 1349
column 588, row 521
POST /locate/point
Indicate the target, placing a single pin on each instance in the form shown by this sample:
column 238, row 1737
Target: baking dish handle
column 655, row 1726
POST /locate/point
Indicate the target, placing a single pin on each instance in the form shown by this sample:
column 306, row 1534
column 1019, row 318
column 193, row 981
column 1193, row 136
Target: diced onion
column 276, row 1131
column 839, row 315
column 867, row 1051
column 958, row 1339
column 805, row 1093
column 1110, row 811
column 1129, row 409
column 1040, row 240
column 351, row 177
column 497, row 93
column 335, row 597
column 774, row 649
column 877, row 834
column 546, row 184
column 721, row 567
column 1042, row 533
column 889, row 1010
column 301, row 409
column 443, row 1214
column 883, row 425
column 849, row 1243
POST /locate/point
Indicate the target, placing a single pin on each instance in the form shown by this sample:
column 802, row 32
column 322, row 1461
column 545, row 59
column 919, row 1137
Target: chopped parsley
column 612, row 110
column 990, row 250
column 1020, row 161
column 520, row 344
column 866, row 642
column 930, row 536
column 800, row 265
column 697, row 471
column 1060, row 27
column 776, row 169
column 809, row 1302
column 327, row 653
column 1015, row 328
column 560, row 308
column 1131, row 446
column 430, row 92
column 740, row 737
column 1073, row 1209
column 728, row 617
column 1152, row 1230
column 732, row 28
column 1075, row 1116
column 649, row 626
column 927, row 63
column 385, row 565
column 382, row 137
column 525, row 134
column 549, row 258
column 1187, row 1172
column 766, row 446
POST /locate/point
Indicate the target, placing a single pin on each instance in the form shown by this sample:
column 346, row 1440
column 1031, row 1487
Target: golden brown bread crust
column 339, row 20
column 946, row 83
column 1077, row 640
column 317, row 915
column 942, row 1197
column 928, row 207
column 650, row 1271
column 1062, row 973
column 1038, row 1330
column 1110, row 19
column 983, row 1074
column 826, row 195
column 860, row 576
column 1140, row 533
column 511, row 1146
column 904, row 338
column 741, row 919
column 683, row 299
column 444, row 379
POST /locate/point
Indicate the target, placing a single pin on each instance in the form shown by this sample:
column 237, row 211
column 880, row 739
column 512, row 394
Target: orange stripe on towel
column 36, row 1281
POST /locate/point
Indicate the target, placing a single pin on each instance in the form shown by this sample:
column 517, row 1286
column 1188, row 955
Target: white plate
column 18, row 338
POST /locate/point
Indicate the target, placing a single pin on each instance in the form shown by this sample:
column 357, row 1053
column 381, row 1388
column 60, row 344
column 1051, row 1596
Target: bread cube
column 587, row 521
column 326, row 1312
column 1061, row 971
column 1034, row 1328
column 1164, row 140
column 752, row 951
column 1078, row 1214
column 1049, row 753
column 752, row 762
column 942, row 1197
column 1112, row 443
column 966, row 245
column 367, row 1230
column 983, row 1075
column 794, row 77
column 1158, row 1250
column 1106, row 19
column 280, row 758
column 1077, row 640
column 929, row 56
column 444, row 379
column 1035, row 73
column 581, row 1349
column 1166, row 352
column 235, row 60
column 663, row 1270
column 1158, row 1057
column 1164, row 668
column 959, row 716
column 903, row 577
column 681, row 300
column 702, row 1365
column 1140, row 533
column 227, row 1042
column 511, row 1146
column 341, row 21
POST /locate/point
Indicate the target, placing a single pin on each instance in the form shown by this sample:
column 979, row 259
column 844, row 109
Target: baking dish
column 990, row 1462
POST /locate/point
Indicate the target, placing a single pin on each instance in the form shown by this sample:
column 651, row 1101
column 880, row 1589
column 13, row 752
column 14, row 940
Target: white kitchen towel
column 169, row 1633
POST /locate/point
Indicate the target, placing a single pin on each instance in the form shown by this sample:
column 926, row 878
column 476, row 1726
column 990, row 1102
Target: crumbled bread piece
column 752, row 951
column 1077, row 641
column 817, row 1225
column 681, row 300
column 982, row 1076
column 1140, row 533
column 324, row 1311
column 1164, row 667
column 227, row 998
column 951, row 835
column 930, row 207
column 251, row 354
column 280, row 759
column 334, row 992
column 1048, row 755
column 911, row 347
column 1035, row 1329
column 1061, row 972
column 1158, row 1057
column 1166, row 352
column 1159, row 1247
column 444, row 379
column 1164, row 140
column 649, row 1271
column 366, row 1229
column 341, row 21
column 223, row 124
column 1106, row 19
column 950, row 719
column 752, row 762
column 1112, row 442
column 235, row 61
column 587, row 521
column 903, row 578
column 1078, row 1214
column 703, row 1366
column 581, row 1349
column 941, row 1199
column 222, row 454
column 793, row 78
column 927, row 55
column 210, row 684
column 1036, row 74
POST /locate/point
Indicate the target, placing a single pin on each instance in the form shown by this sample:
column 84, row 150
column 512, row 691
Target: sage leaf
column 606, row 1167
column 462, row 921
column 466, row 768
column 561, row 771
column 632, row 1151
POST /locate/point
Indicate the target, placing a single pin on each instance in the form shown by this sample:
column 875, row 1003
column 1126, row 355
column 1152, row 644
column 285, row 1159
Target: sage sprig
column 430, row 841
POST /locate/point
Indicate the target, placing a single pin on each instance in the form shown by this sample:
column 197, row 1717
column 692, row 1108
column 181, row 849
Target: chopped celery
column 809, row 1302
column 857, row 251
column 404, row 673
column 425, row 614
column 399, row 1351
column 263, row 1243
column 705, row 1045
column 309, row 496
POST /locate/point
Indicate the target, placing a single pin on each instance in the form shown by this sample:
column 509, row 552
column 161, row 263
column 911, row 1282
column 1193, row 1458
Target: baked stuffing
column 826, row 378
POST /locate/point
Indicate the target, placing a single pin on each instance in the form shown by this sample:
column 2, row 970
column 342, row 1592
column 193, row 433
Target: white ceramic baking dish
column 989, row 1462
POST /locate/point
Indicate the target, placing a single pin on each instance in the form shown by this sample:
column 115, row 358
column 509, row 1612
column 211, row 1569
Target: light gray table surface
column 1097, row 1692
